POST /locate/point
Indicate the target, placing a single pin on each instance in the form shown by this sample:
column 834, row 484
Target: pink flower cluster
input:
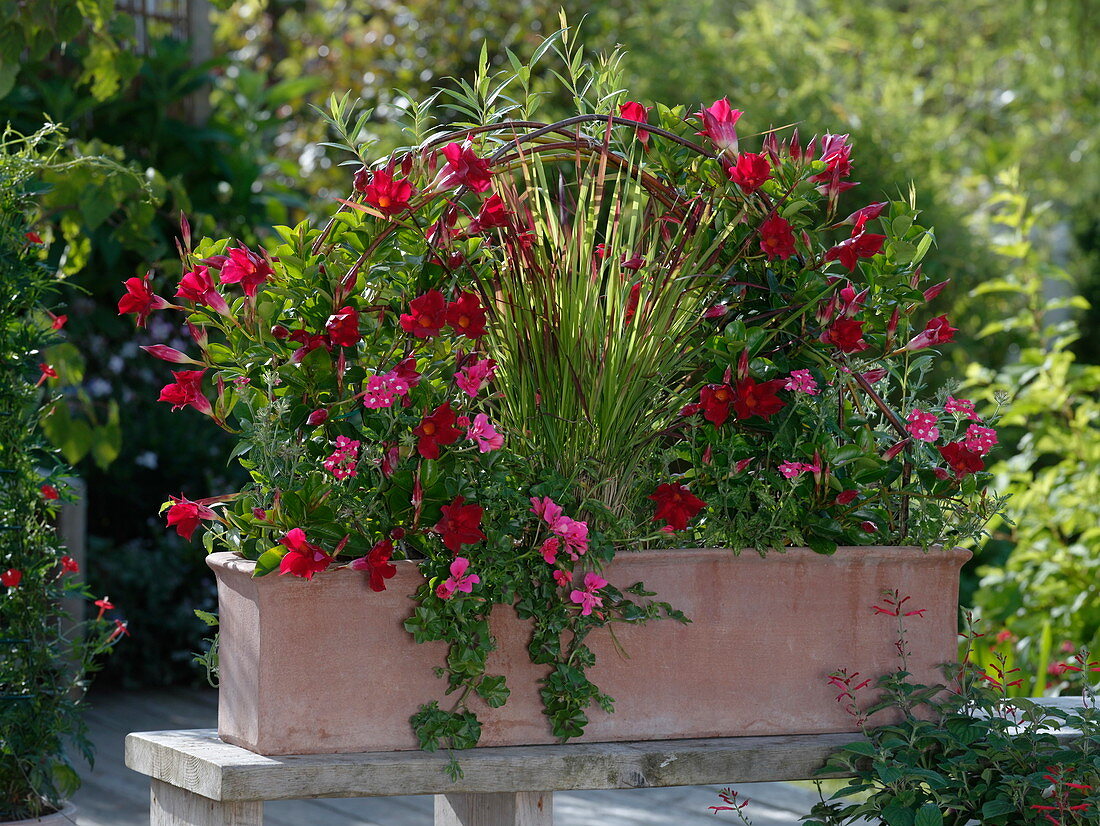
column 964, row 408
column 473, row 377
column 569, row 535
column 588, row 599
column 790, row 470
column 481, row 430
column 980, row 439
column 923, row 425
column 801, row 381
column 380, row 391
column 341, row 463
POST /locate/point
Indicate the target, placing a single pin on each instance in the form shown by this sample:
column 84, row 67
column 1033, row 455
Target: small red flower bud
column 318, row 416
column 397, row 534
column 280, row 332
column 869, row 527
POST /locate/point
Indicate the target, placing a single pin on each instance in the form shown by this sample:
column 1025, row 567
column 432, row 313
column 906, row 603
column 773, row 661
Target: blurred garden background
column 991, row 108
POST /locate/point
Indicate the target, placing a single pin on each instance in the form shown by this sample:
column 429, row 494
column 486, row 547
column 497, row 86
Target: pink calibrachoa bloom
column 980, row 439
column 632, row 110
column 923, row 425
column 377, row 564
column 719, row 124
column 849, row 251
column 428, row 314
column 588, row 599
column 302, row 558
column 776, row 238
column 473, row 377
column 384, row 193
column 459, row 580
column 245, row 267
column 139, row 299
column 197, row 286
column 963, row 408
column 482, row 432
column 460, row 524
column 464, row 168
column 186, row 391
column 750, row 172
column 676, row 505
column 341, row 464
column 801, row 381
column 937, row 331
column 185, row 516
column 343, row 327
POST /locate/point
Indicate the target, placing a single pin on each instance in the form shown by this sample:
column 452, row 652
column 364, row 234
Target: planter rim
column 66, row 814
column 957, row 556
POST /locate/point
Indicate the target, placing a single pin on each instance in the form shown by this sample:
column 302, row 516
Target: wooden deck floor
column 115, row 796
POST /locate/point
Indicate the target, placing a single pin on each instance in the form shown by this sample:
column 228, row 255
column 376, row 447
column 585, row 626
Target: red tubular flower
column 860, row 217
column 493, row 214
column 49, row 492
column 846, row 334
column 302, row 558
column 465, row 168
column 57, row 321
column 11, row 578
column 69, row 565
column 46, row 372
column 187, row 391
column 776, row 238
column 849, row 251
column 719, row 122
column 139, row 299
column 961, row 460
column 427, row 317
column 377, row 564
column 936, row 331
column 750, row 172
column 752, row 399
column 632, row 300
column 170, row 354
column 435, row 430
column 715, row 400
column 675, row 505
column 343, row 327
column 631, row 110
column 32, row 237
column 460, row 525
column 381, row 191
column 466, row 316
column 198, row 286
column 246, row 268
column 185, row 516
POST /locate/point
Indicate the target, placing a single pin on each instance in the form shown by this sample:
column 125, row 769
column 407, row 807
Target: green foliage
column 45, row 656
column 1041, row 572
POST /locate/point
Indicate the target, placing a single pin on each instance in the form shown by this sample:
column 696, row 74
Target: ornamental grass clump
column 518, row 347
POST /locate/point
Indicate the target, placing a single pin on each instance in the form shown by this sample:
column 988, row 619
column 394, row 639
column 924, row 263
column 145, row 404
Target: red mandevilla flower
column 936, row 331
column 750, row 172
column 776, row 238
column 860, row 217
column 435, row 430
column 676, row 505
column 245, row 267
column 460, row 524
column 185, row 516
column 381, row 191
column 849, row 251
column 719, row 122
column 139, row 299
column 302, row 558
column 343, row 327
column 465, row 168
column 752, row 399
column 170, row 354
column 960, row 459
column 493, row 215
column 715, row 401
column 846, row 334
column 632, row 110
column 197, row 286
column 427, row 317
column 377, row 564
column 186, row 391
column 466, row 316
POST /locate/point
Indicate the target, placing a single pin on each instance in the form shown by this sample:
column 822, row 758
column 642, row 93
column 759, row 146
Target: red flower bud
column 280, row 332
column 318, row 416
column 171, row 354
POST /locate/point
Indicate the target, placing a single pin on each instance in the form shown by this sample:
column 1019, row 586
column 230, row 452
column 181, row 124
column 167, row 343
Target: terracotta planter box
column 326, row 666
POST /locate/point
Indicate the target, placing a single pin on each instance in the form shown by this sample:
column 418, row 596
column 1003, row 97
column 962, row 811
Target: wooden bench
column 197, row 780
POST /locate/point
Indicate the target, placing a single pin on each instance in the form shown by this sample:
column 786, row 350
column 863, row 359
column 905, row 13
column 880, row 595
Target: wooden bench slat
column 197, row 760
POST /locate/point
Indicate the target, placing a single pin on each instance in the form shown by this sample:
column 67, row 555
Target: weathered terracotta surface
column 326, row 666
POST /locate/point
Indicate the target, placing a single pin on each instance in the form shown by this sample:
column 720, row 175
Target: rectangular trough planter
column 324, row 666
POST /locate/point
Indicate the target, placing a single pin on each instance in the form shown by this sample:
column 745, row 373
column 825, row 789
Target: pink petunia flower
column 459, row 580
column 472, row 378
column 588, row 599
column 482, row 432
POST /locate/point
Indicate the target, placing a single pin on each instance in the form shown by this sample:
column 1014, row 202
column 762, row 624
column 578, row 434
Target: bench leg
column 172, row 806
column 499, row 809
